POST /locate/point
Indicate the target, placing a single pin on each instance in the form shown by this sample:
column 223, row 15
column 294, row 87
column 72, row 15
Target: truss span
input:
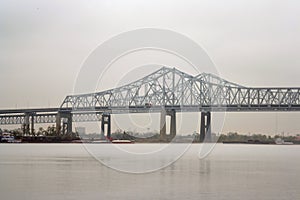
column 11, row 119
column 169, row 87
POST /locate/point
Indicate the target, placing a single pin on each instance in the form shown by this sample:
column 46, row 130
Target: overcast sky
column 43, row 44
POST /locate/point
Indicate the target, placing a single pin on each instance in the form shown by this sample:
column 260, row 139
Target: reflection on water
column 67, row 171
column 138, row 158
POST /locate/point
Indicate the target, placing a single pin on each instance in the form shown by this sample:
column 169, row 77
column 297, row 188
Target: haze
column 254, row 43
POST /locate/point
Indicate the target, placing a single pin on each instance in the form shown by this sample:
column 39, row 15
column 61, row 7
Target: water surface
column 68, row 171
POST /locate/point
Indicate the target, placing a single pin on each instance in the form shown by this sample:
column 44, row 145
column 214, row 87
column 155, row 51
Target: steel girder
column 48, row 118
column 166, row 88
column 169, row 87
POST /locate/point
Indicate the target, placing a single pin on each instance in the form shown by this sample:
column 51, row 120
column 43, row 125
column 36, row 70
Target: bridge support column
column 106, row 119
column 32, row 124
column 163, row 115
column 58, row 124
column 68, row 123
column 163, row 128
column 205, row 128
column 26, row 124
column 172, row 114
column 64, row 127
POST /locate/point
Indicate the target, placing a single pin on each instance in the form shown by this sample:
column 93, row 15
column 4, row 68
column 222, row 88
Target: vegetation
column 235, row 137
column 42, row 135
column 50, row 131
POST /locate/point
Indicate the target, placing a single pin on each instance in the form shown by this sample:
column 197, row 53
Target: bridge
column 165, row 91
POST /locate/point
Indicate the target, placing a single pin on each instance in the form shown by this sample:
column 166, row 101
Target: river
column 76, row 171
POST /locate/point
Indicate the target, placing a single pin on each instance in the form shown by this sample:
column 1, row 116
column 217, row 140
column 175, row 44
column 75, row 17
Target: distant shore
column 230, row 138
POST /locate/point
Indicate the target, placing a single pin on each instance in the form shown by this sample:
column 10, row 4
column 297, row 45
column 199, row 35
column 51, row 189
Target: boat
column 7, row 137
column 99, row 141
column 282, row 142
column 122, row 141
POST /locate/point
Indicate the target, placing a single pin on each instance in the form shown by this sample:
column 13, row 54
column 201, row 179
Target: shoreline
column 97, row 143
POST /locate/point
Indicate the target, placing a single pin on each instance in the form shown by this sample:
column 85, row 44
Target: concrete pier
column 163, row 129
column 106, row 119
column 66, row 117
column 163, row 115
column 205, row 126
column 28, row 124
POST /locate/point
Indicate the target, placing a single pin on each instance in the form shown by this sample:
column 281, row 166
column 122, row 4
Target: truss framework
column 164, row 89
column 169, row 87
column 47, row 118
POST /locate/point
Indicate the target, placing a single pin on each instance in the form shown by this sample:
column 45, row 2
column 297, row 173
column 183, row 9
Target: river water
column 68, row 171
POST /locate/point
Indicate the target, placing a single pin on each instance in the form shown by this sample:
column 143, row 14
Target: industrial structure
column 166, row 91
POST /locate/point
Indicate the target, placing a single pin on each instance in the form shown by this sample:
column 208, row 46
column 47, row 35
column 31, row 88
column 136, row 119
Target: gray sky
column 252, row 42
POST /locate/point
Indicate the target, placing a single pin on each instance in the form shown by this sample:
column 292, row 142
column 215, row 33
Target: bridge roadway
column 63, row 117
column 166, row 91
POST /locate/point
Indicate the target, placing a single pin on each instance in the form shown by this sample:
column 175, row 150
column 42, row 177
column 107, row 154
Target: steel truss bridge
column 166, row 91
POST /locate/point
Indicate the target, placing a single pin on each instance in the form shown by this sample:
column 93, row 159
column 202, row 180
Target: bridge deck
column 167, row 88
